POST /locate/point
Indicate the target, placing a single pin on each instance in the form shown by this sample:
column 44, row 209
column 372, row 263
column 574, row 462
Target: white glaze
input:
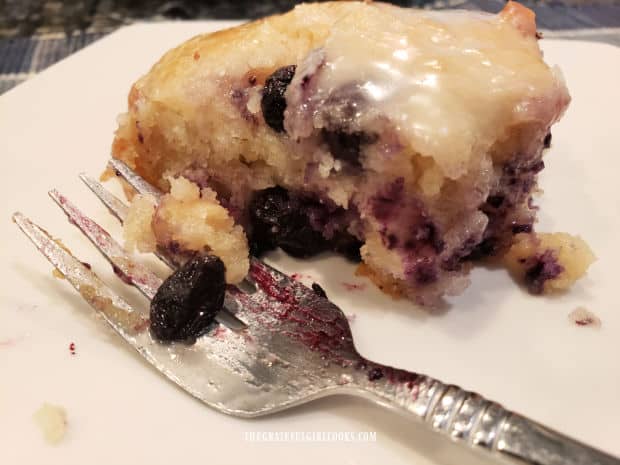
column 451, row 82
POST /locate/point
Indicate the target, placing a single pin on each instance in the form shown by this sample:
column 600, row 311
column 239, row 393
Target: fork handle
column 474, row 421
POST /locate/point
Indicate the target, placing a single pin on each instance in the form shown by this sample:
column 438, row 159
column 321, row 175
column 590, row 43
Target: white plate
column 519, row 350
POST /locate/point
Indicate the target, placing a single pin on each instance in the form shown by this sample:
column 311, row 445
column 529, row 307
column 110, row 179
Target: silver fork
column 277, row 344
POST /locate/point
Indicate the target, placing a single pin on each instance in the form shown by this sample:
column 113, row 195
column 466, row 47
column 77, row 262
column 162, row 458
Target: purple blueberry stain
column 239, row 98
column 425, row 273
column 509, row 207
column 375, row 374
column 541, row 269
column 388, row 201
column 122, row 275
column 454, row 262
column 409, row 230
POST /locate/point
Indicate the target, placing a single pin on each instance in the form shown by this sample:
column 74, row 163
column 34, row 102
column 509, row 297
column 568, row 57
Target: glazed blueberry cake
column 410, row 140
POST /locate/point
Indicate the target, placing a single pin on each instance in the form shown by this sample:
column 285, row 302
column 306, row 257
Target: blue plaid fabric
column 23, row 57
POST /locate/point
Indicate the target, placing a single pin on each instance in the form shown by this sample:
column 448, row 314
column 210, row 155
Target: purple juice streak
column 388, row 202
column 101, row 237
column 323, row 332
column 269, row 285
column 239, row 99
column 124, row 277
column 509, row 207
column 300, row 315
column 408, row 229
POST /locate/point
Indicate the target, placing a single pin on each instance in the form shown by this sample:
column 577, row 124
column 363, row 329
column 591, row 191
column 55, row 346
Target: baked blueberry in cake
column 410, row 140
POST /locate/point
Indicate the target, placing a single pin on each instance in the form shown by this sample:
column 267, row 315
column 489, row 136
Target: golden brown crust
column 207, row 66
column 387, row 285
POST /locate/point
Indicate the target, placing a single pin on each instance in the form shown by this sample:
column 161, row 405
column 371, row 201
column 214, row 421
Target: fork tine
column 125, row 320
column 143, row 187
column 131, row 271
column 119, row 209
column 134, row 180
column 116, row 206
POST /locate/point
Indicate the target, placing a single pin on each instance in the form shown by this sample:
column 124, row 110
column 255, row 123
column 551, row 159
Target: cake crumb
column 386, row 285
column 187, row 220
column 548, row 262
column 72, row 348
column 52, row 421
column 581, row 316
column 57, row 274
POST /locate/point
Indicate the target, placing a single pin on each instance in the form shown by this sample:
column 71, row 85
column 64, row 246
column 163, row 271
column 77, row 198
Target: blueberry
column 341, row 111
column 266, row 210
column 347, row 146
column 347, row 245
column 278, row 220
column 547, row 141
column 344, row 105
column 301, row 240
column 495, row 201
column 521, row 228
column 188, row 300
column 488, row 247
column 318, row 290
column 273, row 102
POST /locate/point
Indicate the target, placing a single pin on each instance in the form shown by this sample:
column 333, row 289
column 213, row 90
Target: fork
column 277, row 344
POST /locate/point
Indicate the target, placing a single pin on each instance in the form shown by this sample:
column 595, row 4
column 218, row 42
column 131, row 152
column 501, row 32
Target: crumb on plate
column 57, row 274
column 548, row 262
column 52, row 421
column 581, row 316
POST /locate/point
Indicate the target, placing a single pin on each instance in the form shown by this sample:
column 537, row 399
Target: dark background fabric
column 36, row 33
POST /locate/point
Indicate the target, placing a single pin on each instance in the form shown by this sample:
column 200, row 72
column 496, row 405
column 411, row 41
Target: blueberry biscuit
column 408, row 139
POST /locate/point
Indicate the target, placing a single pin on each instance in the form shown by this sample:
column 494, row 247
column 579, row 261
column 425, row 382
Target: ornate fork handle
column 474, row 421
